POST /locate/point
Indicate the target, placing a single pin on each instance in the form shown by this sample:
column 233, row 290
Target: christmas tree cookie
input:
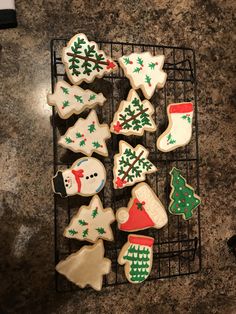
column 179, row 130
column 86, row 267
column 183, row 198
column 84, row 61
column 91, row 222
column 144, row 210
column 73, row 99
column 87, row 136
column 133, row 116
column 131, row 165
column 144, row 71
column 86, row 177
column 137, row 256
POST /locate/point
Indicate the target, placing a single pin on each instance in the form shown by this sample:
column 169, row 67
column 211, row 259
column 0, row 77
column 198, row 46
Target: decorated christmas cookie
column 137, row 255
column 133, row 116
column 183, row 198
column 84, row 61
column 86, row 267
column 179, row 130
column 131, row 165
column 144, row 210
column 73, row 99
column 91, row 222
column 86, row 177
column 87, row 136
column 144, row 71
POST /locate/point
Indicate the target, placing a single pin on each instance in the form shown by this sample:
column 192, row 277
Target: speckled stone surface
column 26, row 233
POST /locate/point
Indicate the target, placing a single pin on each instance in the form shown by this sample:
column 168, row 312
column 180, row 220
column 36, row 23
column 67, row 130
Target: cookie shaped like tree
column 183, row 198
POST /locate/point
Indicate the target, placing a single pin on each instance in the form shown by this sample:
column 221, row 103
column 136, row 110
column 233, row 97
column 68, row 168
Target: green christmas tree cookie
column 70, row 100
column 137, row 255
column 131, row 165
column 87, row 136
column 183, row 198
column 84, row 61
column 133, row 116
column 91, row 222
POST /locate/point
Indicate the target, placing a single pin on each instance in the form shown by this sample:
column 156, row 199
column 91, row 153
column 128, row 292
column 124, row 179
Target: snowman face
column 70, row 183
column 94, row 175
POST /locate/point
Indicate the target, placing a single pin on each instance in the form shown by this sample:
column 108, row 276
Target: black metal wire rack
column 177, row 246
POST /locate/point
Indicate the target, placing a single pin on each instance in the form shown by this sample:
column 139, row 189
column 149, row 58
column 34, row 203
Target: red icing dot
column 93, row 122
column 131, row 62
column 183, row 200
column 156, row 63
column 149, row 85
column 102, row 146
column 176, row 194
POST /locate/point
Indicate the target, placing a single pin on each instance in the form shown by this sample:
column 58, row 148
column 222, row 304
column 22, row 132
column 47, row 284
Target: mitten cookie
column 91, row 222
column 183, row 198
column 137, row 255
column 86, row 267
column 144, row 71
column 133, row 116
column 144, row 210
column 87, row 136
column 86, row 177
column 179, row 130
column 84, row 61
column 131, row 165
column 73, row 99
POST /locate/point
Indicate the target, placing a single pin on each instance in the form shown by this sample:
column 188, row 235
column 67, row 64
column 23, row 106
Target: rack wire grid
column 177, row 246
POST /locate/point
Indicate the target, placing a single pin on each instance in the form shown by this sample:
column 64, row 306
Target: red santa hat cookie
column 144, row 210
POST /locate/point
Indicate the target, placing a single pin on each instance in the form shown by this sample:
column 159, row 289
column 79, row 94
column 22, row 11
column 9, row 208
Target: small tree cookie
column 144, row 210
column 144, row 71
column 183, row 198
column 73, row 99
column 91, row 222
column 86, row 267
column 133, row 116
column 87, row 136
column 137, row 256
column 84, row 61
column 131, row 165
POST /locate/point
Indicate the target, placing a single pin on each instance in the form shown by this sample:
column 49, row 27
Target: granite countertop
column 27, row 256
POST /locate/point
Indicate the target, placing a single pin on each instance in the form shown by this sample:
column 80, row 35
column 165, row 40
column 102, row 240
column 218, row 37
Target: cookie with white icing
column 73, row 99
column 144, row 71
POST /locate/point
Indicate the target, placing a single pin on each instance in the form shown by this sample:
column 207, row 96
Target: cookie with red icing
column 144, row 210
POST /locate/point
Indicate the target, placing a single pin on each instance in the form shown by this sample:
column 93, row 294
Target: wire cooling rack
column 177, row 246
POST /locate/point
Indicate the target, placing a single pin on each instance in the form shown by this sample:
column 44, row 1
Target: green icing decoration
column 68, row 140
column 82, row 222
column 65, row 90
column 139, row 262
column 152, row 65
column 170, row 139
column 85, row 233
column 183, row 198
column 95, row 212
column 65, row 104
column 92, row 97
column 96, row 145
column 140, row 61
column 92, row 128
column 148, row 80
column 72, row 232
column 79, row 99
column 100, row 230
column 187, row 118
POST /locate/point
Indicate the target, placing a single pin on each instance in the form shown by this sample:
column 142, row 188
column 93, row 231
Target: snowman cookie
column 70, row 100
column 84, row 61
column 86, row 177
column 144, row 71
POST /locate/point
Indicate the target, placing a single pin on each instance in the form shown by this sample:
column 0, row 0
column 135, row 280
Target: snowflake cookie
column 133, row 116
column 91, row 222
column 73, row 99
column 84, row 61
column 179, row 130
column 144, row 71
column 87, row 266
column 87, row 136
column 86, row 177
column 144, row 210
column 131, row 165
column 137, row 255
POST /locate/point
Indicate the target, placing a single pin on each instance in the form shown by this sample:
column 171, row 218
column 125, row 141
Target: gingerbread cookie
column 70, row 100
column 86, row 177
column 144, row 71
column 91, row 222
column 144, row 210
column 87, row 266
column 87, row 136
column 179, row 130
column 131, row 165
column 133, row 116
column 84, row 61
column 137, row 256
column 183, row 198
